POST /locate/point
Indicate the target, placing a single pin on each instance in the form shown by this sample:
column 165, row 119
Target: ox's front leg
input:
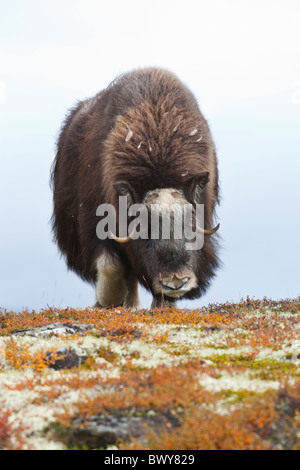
column 160, row 301
column 111, row 285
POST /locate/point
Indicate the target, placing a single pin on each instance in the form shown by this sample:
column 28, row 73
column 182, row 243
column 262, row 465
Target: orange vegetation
column 244, row 342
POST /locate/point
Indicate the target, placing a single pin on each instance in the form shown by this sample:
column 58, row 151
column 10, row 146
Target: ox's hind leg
column 132, row 300
column 112, row 286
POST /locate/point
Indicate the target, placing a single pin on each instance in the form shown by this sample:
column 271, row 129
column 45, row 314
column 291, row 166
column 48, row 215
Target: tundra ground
column 220, row 377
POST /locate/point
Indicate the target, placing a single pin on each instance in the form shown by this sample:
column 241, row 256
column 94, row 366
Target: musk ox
column 143, row 138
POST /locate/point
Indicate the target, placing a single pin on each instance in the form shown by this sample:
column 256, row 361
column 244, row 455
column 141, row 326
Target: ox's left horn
column 208, row 232
column 121, row 240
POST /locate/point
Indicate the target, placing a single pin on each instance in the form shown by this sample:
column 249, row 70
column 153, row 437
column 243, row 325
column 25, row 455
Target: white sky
column 241, row 60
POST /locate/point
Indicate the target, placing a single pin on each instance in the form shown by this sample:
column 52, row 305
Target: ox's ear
column 196, row 185
column 125, row 189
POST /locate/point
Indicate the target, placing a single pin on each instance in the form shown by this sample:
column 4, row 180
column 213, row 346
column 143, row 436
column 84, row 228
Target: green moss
column 107, row 354
column 135, row 355
column 265, row 369
column 236, row 360
column 176, row 350
column 239, row 396
column 274, row 370
column 56, row 431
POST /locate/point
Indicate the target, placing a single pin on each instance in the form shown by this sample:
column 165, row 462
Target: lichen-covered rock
column 103, row 430
column 53, row 329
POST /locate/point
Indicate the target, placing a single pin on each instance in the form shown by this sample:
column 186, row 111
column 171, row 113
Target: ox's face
column 164, row 261
column 168, row 268
column 167, row 264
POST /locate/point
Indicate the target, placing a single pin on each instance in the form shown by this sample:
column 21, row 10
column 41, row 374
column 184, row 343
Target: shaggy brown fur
column 170, row 145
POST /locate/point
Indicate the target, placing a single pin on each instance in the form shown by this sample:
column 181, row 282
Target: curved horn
column 121, row 240
column 208, row 232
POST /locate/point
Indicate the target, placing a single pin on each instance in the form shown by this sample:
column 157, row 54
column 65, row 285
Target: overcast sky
column 240, row 59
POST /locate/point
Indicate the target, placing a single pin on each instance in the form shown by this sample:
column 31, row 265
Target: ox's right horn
column 120, row 239
column 208, row 232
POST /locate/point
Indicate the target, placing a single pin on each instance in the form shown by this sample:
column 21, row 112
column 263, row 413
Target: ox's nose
column 175, row 283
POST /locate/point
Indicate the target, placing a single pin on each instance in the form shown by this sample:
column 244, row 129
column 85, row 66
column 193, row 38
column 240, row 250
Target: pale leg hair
column 112, row 287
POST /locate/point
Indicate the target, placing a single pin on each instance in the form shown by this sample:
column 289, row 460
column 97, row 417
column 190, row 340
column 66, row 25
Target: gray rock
column 67, row 358
column 107, row 429
column 54, row 329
